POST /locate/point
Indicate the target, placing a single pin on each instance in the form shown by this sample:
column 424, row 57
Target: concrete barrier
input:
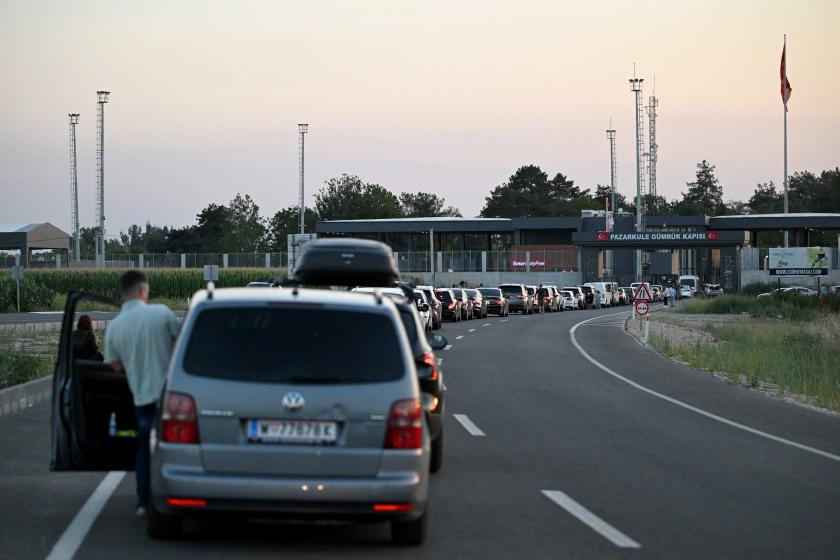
column 23, row 396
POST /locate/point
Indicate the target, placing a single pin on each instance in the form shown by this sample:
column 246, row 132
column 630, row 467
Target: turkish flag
column 603, row 236
column 712, row 236
column 785, row 86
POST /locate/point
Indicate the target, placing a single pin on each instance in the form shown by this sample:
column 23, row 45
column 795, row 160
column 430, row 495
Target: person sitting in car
column 84, row 341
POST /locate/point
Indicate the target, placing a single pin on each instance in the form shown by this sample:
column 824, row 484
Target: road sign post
column 17, row 276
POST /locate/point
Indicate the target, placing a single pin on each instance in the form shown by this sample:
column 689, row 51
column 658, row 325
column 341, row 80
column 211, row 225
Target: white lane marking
column 471, row 330
column 503, row 321
column 448, row 347
column 687, row 406
column 594, row 522
column 440, row 361
column 444, row 386
column 486, row 325
column 468, row 424
column 76, row 532
column 459, row 337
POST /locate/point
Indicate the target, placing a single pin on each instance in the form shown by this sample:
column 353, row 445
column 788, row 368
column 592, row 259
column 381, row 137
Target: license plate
column 311, row 432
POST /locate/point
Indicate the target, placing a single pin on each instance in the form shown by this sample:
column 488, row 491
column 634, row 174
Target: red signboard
column 523, row 264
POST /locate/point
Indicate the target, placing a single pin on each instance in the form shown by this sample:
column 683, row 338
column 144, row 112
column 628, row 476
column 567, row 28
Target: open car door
column 86, row 396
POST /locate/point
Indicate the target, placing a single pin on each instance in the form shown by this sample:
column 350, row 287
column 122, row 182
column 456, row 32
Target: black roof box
column 346, row 262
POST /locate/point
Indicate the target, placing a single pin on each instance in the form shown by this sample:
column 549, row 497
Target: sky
column 449, row 97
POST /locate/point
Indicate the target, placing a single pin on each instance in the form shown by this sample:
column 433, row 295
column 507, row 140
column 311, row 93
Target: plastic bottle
column 112, row 425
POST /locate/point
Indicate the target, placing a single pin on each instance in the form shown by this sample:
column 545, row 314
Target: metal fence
column 154, row 260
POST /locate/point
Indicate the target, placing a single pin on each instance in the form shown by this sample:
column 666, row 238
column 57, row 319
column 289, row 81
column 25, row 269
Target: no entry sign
column 642, row 308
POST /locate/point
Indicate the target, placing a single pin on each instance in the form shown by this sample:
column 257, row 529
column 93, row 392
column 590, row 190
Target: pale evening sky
column 449, row 97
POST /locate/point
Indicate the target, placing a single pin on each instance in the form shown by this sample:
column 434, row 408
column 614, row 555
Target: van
column 606, row 292
column 693, row 282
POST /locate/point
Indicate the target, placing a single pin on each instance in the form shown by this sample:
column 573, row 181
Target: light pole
column 101, row 100
column 74, row 186
column 303, row 128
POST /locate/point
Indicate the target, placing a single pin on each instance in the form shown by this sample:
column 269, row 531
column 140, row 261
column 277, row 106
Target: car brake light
column 405, row 425
column 435, row 303
column 178, row 418
column 428, row 359
column 520, row 296
column 450, row 306
column 183, row 502
column 393, row 507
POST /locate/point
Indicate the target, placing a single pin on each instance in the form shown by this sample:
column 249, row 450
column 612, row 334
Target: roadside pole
column 17, row 276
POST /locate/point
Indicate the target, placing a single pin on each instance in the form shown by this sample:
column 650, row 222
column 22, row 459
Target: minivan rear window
column 294, row 345
column 511, row 289
column 490, row 292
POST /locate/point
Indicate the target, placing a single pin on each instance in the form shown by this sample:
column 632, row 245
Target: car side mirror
column 437, row 341
column 424, row 307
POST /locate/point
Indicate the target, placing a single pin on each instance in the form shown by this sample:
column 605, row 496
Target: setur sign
column 799, row 261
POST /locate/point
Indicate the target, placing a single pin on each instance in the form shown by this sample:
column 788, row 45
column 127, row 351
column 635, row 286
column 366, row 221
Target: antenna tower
column 101, row 100
column 611, row 138
column 303, row 128
column 653, row 147
column 74, row 186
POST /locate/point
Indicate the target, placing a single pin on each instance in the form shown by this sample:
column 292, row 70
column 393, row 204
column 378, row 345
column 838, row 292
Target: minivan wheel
column 437, row 453
column 161, row 526
column 408, row 533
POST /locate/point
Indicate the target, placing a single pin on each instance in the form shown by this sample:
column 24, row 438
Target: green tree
column 246, row 226
column 348, row 198
column 529, row 192
column 811, row 193
column 284, row 222
column 213, row 225
column 766, row 200
column 704, row 196
column 425, row 205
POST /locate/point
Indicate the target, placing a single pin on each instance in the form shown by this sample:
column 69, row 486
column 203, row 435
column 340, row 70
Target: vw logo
column 292, row 401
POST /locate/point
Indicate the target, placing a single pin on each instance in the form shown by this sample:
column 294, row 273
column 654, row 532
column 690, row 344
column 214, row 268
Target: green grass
column 788, row 306
column 18, row 368
column 799, row 357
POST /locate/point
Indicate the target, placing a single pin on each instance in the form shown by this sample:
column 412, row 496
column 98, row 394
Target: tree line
column 239, row 227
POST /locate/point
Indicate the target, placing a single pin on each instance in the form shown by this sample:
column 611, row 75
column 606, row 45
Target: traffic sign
column 643, row 293
column 642, row 308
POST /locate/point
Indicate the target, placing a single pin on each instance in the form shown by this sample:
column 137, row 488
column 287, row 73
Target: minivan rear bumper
column 287, row 495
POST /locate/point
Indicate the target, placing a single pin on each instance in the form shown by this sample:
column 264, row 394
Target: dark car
column 450, row 305
column 590, row 299
column 478, row 303
column 466, row 306
column 517, row 298
column 496, row 301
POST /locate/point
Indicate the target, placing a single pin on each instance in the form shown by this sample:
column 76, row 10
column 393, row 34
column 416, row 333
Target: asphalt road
column 575, row 459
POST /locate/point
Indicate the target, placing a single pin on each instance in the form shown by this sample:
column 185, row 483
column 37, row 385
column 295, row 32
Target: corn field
column 41, row 286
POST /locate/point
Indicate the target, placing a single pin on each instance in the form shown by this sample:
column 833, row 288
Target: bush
column 781, row 306
column 17, row 368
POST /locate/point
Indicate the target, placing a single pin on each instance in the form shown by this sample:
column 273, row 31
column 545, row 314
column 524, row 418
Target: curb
column 24, row 396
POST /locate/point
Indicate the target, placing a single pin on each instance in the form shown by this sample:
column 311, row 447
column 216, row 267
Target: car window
column 444, row 297
column 511, row 289
column 490, row 292
column 270, row 345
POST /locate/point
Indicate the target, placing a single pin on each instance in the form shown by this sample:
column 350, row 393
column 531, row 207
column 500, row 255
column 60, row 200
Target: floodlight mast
column 74, row 187
column 101, row 100
column 303, row 128
column 636, row 88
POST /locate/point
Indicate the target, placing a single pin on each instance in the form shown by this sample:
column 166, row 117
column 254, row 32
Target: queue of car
column 250, row 425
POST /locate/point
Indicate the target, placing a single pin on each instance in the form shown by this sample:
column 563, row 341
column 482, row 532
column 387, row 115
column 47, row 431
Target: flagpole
column 786, row 158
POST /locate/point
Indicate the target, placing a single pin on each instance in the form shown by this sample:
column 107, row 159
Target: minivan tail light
column 520, row 296
column 428, row 359
column 179, row 419
column 405, row 425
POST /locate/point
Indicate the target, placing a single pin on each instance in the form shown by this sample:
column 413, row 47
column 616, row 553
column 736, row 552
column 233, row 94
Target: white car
column 424, row 309
column 605, row 293
column 801, row 290
column 686, row 291
column 568, row 300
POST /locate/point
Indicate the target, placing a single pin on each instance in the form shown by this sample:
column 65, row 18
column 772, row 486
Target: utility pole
column 74, row 186
column 636, row 88
column 653, row 147
column 303, row 128
column 101, row 100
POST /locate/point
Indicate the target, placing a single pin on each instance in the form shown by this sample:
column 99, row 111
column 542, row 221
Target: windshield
column 490, row 292
column 281, row 345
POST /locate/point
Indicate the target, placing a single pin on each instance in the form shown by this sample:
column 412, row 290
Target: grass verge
column 18, row 368
column 797, row 357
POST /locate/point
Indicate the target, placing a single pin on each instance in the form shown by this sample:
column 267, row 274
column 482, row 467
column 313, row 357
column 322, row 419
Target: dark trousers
column 145, row 417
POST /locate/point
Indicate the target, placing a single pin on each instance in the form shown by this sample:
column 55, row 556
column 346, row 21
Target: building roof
column 24, row 237
column 777, row 221
column 18, row 228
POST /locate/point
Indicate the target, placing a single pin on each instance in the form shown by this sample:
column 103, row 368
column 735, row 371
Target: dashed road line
column 687, row 406
column 468, row 425
column 448, row 347
column 70, row 541
column 503, row 321
column 459, row 337
column 486, row 325
column 471, row 330
column 594, row 522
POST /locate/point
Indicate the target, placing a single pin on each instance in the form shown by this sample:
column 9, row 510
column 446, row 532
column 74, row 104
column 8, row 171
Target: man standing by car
column 139, row 342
